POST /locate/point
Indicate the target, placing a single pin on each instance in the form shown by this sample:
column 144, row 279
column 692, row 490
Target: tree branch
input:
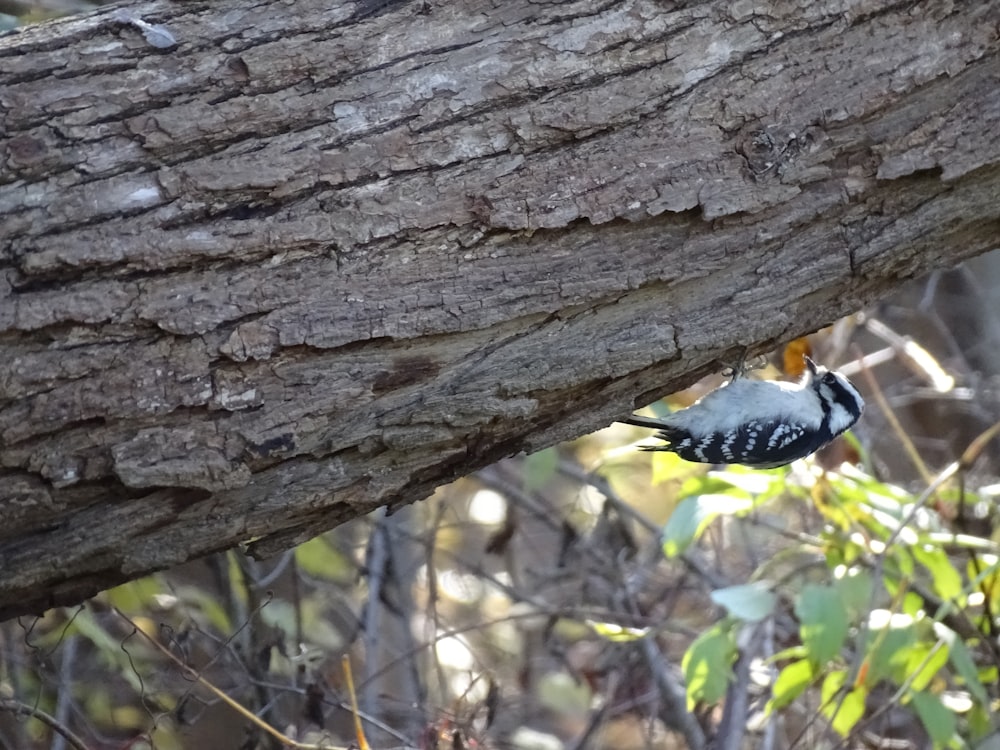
column 322, row 257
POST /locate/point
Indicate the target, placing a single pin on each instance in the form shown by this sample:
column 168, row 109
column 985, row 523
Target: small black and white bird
column 760, row 423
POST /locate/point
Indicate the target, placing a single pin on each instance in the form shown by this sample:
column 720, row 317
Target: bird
column 761, row 424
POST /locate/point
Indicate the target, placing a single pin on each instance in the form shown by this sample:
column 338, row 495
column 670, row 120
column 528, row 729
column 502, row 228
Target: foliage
column 879, row 607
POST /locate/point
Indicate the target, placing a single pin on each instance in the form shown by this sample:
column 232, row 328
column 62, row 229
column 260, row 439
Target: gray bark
column 319, row 257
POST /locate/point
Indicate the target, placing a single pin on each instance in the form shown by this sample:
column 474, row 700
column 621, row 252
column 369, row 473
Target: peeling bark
column 320, row 257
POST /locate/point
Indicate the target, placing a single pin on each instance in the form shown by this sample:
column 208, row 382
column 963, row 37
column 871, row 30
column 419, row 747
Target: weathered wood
column 320, row 257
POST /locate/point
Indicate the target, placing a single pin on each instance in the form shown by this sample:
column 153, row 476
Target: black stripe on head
column 842, row 404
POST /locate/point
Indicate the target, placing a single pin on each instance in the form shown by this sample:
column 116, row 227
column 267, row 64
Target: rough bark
column 319, row 257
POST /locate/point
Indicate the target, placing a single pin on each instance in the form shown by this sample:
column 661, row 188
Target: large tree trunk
column 319, row 257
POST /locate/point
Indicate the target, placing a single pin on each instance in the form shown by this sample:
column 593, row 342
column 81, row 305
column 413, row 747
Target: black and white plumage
column 761, row 423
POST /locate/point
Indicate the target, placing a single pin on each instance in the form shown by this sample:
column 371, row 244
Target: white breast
column 745, row 400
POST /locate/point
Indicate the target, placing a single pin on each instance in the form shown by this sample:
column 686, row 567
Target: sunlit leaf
column 135, row 596
column 989, row 675
column 924, row 661
column 667, row 466
column 751, row 602
column 823, row 622
column 790, row 683
column 617, row 633
column 833, row 512
column 947, row 580
column 693, row 515
column 843, row 711
column 935, row 716
column 913, row 604
column 707, row 666
column 710, row 483
column 867, row 485
column 752, row 481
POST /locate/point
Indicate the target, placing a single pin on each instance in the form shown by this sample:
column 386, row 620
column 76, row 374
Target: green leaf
column 693, row 515
column 980, row 723
column 962, row 661
column 792, row 653
column 936, row 718
column 790, row 684
column 823, row 622
column 708, row 666
column 751, row 602
column 898, row 567
column 539, row 468
column 854, row 586
column 890, row 638
column 844, row 712
column 947, row 580
column 904, row 560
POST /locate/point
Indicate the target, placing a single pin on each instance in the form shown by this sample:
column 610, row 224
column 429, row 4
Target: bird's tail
column 647, row 422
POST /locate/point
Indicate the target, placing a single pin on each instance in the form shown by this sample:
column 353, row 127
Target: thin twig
column 897, row 428
column 236, row 706
column 16, row 707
